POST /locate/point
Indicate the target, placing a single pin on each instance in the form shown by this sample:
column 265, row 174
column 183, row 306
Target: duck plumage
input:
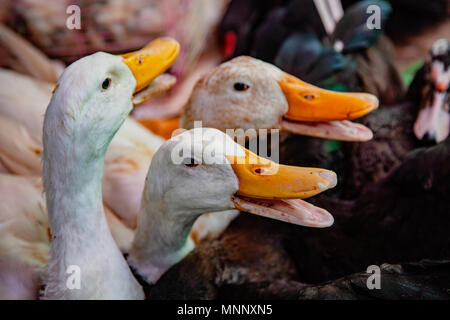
column 289, row 34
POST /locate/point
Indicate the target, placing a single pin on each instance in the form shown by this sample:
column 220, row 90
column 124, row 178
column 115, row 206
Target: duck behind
column 291, row 36
column 421, row 119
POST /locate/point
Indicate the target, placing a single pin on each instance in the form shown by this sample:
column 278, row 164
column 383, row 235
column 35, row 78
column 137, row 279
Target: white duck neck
column 161, row 239
column 72, row 174
column 74, row 197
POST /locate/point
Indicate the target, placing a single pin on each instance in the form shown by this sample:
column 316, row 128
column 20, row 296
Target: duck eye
column 191, row 163
column 106, row 83
column 239, row 86
column 309, row 97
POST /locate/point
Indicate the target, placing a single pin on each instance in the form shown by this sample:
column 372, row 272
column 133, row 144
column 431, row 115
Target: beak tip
column 330, row 222
column 151, row 61
column 373, row 102
column 367, row 136
column 171, row 42
column 331, row 178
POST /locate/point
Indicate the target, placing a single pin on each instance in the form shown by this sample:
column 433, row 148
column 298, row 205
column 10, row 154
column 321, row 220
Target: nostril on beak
column 259, row 170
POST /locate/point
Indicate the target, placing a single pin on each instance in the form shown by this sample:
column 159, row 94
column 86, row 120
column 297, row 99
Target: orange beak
column 269, row 189
column 162, row 127
column 264, row 179
column 151, row 61
column 318, row 111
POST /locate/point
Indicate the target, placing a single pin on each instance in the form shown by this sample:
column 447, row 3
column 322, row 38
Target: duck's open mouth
column 344, row 130
column 274, row 191
column 323, row 113
column 147, row 66
column 161, row 84
column 293, row 211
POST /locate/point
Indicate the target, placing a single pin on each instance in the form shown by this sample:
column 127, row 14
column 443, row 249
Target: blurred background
column 382, row 195
column 209, row 32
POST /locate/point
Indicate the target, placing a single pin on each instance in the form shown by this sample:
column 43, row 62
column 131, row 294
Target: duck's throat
column 161, row 240
column 74, row 196
column 85, row 262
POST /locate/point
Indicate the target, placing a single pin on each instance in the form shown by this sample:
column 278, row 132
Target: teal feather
column 352, row 29
column 304, row 56
column 330, row 61
column 298, row 53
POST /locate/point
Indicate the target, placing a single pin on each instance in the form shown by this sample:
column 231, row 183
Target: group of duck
column 118, row 207
column 390, row 192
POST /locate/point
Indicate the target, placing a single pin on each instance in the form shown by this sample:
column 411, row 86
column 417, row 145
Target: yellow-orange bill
column 273, row 190
column 323, row 113
column 162, row 127
column 151, row 61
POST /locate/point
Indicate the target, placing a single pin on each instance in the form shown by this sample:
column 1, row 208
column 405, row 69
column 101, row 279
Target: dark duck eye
column 239, row 86
column 106, row 83
column 190, row 163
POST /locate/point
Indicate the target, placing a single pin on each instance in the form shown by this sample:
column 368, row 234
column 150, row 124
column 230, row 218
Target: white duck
column 81, row 120
column 203, row 170
column 248, row 93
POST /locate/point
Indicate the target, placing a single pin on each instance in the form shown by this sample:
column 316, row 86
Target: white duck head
column 433, row 120
column 94, row 95
column 248, row 93
column 203, row 170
